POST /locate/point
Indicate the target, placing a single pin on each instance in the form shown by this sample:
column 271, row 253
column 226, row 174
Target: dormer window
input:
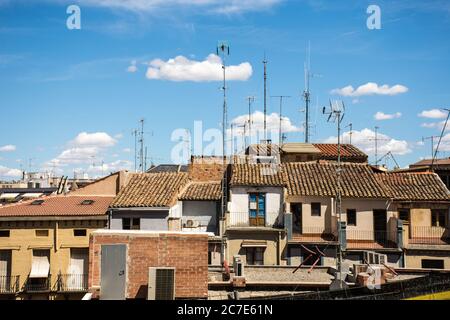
column 87, row 202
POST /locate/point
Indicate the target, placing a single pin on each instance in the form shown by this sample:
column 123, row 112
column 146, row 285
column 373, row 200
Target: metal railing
column 38, row 284
column 429, row 235
column 9, row 284
column 369, row 239
column 72, row 282
column 314, row 234
column 244, row 219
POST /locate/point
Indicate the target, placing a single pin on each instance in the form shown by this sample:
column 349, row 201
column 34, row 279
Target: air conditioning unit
column 161, row 284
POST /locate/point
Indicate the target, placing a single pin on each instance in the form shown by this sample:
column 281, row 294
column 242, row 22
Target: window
column 4, row 233
column 257, row 209
column 316, row 209
column 255, row 256
column 403, row 214
column 432, row 264
column 438, row 218
column 131, row 224
column 37, row 202
column 351, row 217
column 79, row 232
column 41, row 233
column 87, row 202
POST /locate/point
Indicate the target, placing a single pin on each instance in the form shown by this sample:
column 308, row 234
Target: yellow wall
column 271, row 254
column 413, row 259
column 60, row 240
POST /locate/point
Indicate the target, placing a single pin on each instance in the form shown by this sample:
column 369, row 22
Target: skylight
column 87, row 202
column 37, row 202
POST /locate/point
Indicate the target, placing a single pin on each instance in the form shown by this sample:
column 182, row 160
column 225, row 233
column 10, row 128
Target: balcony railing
column 429, row 235
column 314, row 234
column 369, row 239
column 9, row 284
column 38, row 284
column 244, row 219
column 72, row 282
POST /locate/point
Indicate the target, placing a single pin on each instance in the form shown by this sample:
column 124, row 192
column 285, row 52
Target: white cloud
column 10, row 173
column 370, row 88
column 385, row 116
column 181, row 68
column 132, row 68
column 364, row 140
column 219, row 6
column 118, row 136
column 272, row 123
column 126, row 150
column 433, row 114
column 8, row 148
column 108, row 168
column 97, row 139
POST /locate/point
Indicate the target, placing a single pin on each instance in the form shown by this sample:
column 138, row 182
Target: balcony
column 243, row 219
column 428, row 235
column 72, row 283
column 370, row 239
column 314, row 234
column 9, row 284
column 38, row 285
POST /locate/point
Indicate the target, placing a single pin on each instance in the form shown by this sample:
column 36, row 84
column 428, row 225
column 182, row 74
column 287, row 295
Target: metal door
column 113, row 272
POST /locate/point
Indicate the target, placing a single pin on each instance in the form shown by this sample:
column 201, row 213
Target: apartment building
column 369, row 219
column 254, row 224
column 44, row 242
column 422, row 202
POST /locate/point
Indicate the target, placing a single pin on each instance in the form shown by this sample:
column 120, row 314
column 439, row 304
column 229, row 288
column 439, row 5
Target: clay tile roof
column 348, row 152
column 151, row 190
column 257, row 175
column 319, row 179
column 414, row 186
column 59, row 206
column 202, row 191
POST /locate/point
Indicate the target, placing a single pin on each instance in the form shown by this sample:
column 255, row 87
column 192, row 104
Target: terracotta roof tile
column 414, row 186
column 202, row 191
column 257, row 175
column 319, row 179
column 151, row 190
column 59, row 206
column 348, row 152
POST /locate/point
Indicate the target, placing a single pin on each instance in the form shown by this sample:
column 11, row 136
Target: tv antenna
column 135, row 134
column 440, row 138
column 431, row 138
column 336, row 114
column 280, row 133
column 376, row 139
column 265, row 98
column 389, row 155
column 350, row 125
column 251, row 100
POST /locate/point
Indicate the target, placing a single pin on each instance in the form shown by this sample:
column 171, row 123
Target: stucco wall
column 203, row 211
column 413, row 259
column 150, row 220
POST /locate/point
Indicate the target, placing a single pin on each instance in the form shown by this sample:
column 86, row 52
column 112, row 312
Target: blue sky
column 69, row 100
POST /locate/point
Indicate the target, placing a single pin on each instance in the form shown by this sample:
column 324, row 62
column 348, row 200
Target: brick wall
column 206, row 169
column 187, row 253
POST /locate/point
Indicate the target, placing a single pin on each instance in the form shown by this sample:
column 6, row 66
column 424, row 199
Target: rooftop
column 202, row 191
column 58, row 206
column 151, row 190
column 257, row 175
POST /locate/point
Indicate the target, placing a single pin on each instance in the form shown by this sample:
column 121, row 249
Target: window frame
column 84, row 231
column 436, row 216
column 131, row 223
column 256, row 254
column 314, row 210
column 5, row 233
column 351, row 212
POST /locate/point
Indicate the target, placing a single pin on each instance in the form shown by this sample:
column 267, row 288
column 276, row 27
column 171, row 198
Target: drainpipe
column 279, row 249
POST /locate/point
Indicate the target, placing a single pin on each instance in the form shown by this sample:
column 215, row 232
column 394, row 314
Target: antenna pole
column 141, row 141
column 265, row 98
column 280, row 133
column 376, row 145
column 306, row 93
column 250, row 99
column 351, row 131
column 440, row 138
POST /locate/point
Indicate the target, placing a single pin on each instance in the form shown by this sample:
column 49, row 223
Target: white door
column 78, row 269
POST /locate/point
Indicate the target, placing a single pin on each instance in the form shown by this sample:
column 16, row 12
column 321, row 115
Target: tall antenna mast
column 141, row 152
column 440, row 138
column 224, row 50
column 376, row 139
column 135, row 134
column 280, row 133
column 306, row 93
column 336, row 114
column 265, row 98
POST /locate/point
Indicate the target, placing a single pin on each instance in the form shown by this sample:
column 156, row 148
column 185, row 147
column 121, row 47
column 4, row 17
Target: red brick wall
column 186, row 252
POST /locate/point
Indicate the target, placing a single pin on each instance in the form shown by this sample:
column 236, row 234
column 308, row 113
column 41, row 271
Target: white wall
column 203, row 211
column 239, row 203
